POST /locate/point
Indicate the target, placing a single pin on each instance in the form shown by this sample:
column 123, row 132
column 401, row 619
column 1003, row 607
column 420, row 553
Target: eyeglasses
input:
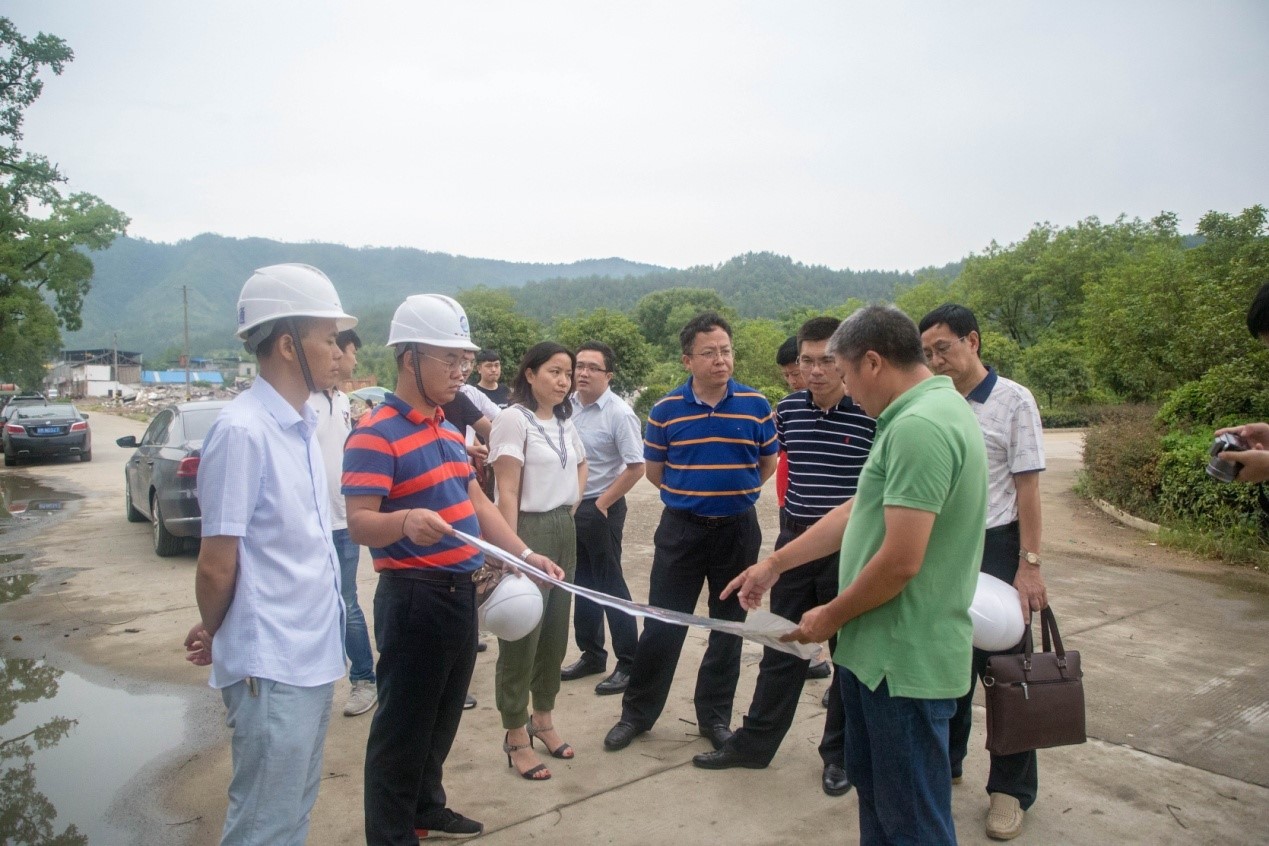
column 461, row 366
column 724, row 352
column 942, row 348
column 586, row 367
column 825, row 362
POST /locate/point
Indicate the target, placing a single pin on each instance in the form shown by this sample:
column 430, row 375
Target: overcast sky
column 880, row 135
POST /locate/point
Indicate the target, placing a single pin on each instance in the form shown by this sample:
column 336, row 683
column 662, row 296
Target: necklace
column 561, row 450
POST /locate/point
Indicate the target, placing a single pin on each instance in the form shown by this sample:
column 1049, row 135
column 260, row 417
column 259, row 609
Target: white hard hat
column 287, row 290
column 513, row 609
column 997, row 615
column 433, row 319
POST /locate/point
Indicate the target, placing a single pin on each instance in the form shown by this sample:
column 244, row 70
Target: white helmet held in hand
column 286, row 290
column 997, row 615
column 433, row 319
column 513, row 609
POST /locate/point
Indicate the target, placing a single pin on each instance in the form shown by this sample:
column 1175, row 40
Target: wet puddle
column 23, row 499
column 67, row 746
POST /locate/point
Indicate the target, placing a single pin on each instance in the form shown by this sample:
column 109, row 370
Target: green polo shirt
column 928, row 455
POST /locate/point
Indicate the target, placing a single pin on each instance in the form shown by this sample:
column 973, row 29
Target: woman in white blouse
column 540, row 467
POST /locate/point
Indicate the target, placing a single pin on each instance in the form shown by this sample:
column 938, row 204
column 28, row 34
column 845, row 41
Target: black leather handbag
column 1035, row 700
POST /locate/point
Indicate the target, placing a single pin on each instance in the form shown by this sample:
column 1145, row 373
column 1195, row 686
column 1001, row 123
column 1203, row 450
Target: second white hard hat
column 433, row 319
column 513, row 609
column 997, row 615
column 288, row 290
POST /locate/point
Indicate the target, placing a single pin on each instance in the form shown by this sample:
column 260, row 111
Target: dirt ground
column 1178, row 702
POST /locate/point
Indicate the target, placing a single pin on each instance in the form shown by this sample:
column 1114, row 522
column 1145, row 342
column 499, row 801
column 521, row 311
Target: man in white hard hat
column 268, row 579
column 408, row 484
column 1010, row 422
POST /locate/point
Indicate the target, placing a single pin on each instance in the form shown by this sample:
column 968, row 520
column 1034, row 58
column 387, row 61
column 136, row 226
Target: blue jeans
column 279, row 732
column 356, row 635
column 896, row 756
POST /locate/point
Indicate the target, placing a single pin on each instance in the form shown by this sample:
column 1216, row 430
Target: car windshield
column 48, row 412
column 198, row 421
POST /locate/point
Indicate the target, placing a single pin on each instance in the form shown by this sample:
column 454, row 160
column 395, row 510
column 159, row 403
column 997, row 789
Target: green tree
column 1057, row 370
column 496, row 325
column 755, row 343
column 662, row 314
column 929, row 292
column 44, row 272
column 634, row 354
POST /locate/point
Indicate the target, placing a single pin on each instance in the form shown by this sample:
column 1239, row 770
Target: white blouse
column 549, row 480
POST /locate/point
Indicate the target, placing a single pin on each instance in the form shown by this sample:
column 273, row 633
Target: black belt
column 797, row 527
column 422, row 574
column 707, row 521
column 1001, row 530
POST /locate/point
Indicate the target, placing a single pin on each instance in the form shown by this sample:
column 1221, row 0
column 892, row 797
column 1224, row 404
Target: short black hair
column 706, row 321
column 346, row 337
column 610, row 357
column 958, row 318
column 487, row 355
column 1258, row 314
column 817, row 329
column 788, row 352
column 885, row 330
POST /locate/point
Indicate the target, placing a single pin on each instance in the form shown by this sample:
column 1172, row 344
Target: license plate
column 48, row 506
column 48, row 430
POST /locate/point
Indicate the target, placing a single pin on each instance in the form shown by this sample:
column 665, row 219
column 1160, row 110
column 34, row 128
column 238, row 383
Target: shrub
column 1121, row 460
column 1189, row 497
column 1228, row 394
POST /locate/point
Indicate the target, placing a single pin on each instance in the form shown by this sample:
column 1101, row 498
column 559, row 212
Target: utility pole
column 185, row 298
column 114, row 368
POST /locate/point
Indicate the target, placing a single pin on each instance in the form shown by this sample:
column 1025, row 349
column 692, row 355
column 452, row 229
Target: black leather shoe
column 835, row 781
column 717, row 734
column 725, row 759
column 824, row 698
column 469, row 702
column 615, row 683
column 822, row 670
column 620, row 735
column 580, row 669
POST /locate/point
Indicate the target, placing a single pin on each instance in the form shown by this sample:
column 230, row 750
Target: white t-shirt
column 334, row 422
column 549, row 481
column 1010, row 420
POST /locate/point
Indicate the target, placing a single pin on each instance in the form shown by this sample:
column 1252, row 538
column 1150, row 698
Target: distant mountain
column 136, row 288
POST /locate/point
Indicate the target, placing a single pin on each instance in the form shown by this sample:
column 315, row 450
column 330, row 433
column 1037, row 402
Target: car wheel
column 134, row 516
column 10, row 461
column 165, row 543
column 86, row 456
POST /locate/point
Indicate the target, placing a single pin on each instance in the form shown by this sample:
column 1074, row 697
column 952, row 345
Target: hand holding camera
column 1240, row 453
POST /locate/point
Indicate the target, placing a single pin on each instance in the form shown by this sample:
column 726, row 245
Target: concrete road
column 1173, row 652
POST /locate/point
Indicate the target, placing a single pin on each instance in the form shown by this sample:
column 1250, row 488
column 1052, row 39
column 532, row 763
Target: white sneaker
column 1004, row 819
column 361, row 699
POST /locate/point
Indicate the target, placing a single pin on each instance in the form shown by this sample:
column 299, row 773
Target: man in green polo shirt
column 911, row 543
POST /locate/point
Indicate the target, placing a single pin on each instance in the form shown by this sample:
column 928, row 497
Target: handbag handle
column 1048, row 624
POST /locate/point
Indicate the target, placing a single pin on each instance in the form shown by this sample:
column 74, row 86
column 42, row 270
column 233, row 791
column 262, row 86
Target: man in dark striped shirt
column 709, row 446
column 827, row 438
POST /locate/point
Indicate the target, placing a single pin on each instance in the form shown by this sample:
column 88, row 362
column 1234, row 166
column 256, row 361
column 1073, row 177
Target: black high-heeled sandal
column 564, row 752
column 531, row 775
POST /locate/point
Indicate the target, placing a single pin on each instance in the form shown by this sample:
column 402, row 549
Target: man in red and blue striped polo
column 710, row 445
column 408, row 485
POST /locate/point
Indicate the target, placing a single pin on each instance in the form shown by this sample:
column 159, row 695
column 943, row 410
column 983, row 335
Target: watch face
column 1032, row 558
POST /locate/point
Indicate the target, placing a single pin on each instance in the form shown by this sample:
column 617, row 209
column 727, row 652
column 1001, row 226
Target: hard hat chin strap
column 418, row 378
column 293, row 327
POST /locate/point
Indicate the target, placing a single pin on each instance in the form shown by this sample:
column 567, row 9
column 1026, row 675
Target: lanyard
column 561, row 450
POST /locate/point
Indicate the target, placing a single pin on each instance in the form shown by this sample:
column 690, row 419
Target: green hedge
column 1190, row 497
column 1121, row 461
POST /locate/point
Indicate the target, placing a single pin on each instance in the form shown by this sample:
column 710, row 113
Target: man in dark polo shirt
column 826, row 437
column 709, row 446
column 408, row 485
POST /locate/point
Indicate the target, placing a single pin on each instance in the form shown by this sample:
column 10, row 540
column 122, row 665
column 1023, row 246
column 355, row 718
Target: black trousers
column 781, row 676
column 426, row 633
column 599, row 568
column 689, row 555
column 1016, row 775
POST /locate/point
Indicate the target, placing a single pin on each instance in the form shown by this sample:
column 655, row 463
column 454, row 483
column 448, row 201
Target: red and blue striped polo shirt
column 710, row 454
column 414, row 461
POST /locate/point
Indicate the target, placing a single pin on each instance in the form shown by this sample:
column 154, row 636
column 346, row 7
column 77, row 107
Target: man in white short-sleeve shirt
column 1010, row 422
column 268, row 580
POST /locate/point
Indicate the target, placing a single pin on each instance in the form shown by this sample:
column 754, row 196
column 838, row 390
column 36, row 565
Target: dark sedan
column 159, row 480
column 46, row 431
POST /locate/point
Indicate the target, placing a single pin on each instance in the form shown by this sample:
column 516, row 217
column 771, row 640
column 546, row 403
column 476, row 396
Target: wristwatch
column 1029, row 557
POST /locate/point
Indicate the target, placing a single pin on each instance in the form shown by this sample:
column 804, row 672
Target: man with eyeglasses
column 1010, row 422
column 610, row 431
column 826, row 437
column 408, row 484
column 709, row 446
